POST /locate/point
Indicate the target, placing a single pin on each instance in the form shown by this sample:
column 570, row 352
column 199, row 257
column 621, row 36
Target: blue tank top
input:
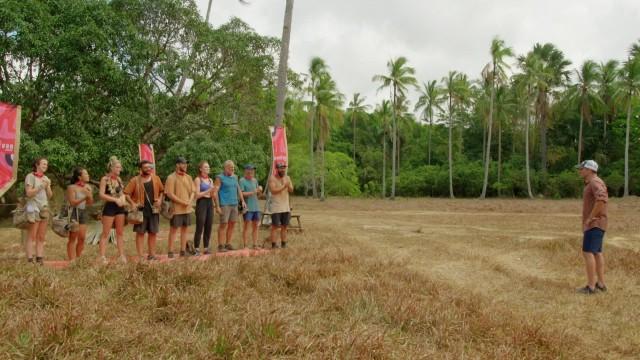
column 205, row 184
column 228, row 192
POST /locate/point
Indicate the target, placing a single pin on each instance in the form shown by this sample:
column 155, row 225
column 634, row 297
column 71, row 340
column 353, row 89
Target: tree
column 317, row 69
column 329, row 103
column 497, row 76
column 357, row 107
column 384, row 112
column 608, row 74
column 429, row 101
column 629, row 90
column 282, row 67
column 584, row 94
column 399, row 78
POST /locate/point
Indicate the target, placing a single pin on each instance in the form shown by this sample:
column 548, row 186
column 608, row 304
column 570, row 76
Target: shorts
column 150, row 224
column 111, row 209
column 592, row 241
column 36, row 215
column 79, row 215
column 252, row 216
column 229, row 214
column 181, row 220
column 281, row 219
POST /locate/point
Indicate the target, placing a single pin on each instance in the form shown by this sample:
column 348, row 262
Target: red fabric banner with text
column 9, row 145
column 279, row 146
column 146, row 153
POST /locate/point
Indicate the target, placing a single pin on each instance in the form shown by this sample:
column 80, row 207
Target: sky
column 357, row 38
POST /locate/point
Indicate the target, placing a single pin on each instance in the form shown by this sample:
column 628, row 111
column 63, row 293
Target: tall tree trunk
column 429, row 141
column 314, row 187
column 353, row 120
column 626, row 149
column 487, row 159
column 526, row 151
column 323, row 171
column 580, row 138
column 499, row 155
column 543, row 143
column 450, row 148
column 384, row 162
column 484, row 141
column 282, row 66
column 394, row 146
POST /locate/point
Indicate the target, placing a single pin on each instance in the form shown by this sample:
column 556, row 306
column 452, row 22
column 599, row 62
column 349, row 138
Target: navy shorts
column 592, row 241
column 252, row 216
column 281, row 219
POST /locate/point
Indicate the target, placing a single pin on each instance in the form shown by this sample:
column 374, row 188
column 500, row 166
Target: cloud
column 357, row 38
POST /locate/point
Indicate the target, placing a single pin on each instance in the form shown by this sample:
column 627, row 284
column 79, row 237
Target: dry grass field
column 368, row 279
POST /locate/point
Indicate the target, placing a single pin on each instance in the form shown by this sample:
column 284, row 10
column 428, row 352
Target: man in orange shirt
column 180, row 189
column 594, row 225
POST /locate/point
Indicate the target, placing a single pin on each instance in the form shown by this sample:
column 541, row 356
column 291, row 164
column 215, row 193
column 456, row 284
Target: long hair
column 37, row 162
column 77, row 173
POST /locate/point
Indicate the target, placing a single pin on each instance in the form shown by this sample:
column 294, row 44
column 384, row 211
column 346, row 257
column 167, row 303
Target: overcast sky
column 357, row 37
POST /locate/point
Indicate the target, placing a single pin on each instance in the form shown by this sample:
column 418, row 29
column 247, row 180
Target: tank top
column 80, row 195
column 205, row 184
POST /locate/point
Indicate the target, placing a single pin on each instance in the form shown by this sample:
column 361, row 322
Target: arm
column 215, row 196
column 71, row 198
column 129, row 191
column 274, row 188
column 30, row 187
column 171, row 195
column 597, row 210
column 289, row 185
column 241, row 196
column 196, row 184
column 89, row 199
column 47, row 184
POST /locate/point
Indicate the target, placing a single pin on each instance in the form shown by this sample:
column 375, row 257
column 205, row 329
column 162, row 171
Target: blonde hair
column 113, row 161
column 228, row 163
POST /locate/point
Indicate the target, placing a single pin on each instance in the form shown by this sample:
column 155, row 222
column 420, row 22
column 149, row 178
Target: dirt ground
column 518, row 256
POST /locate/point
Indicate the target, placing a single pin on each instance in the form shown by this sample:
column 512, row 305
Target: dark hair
column 77, row 173
column 37, row 162
column 143, row 163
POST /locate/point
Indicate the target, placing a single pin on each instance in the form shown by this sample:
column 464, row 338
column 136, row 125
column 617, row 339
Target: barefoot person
column 594, row 225
column 205, row 191
column 180, row 189
column 79, row 195
column 229, row 196
column 37, row 187
column 280, row 186
column 145, row 192
column 113, row 213
column 250, row 191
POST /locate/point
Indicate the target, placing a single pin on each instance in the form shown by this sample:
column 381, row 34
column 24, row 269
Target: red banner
column 146, row 153
column 279, row 146
column 9, row 145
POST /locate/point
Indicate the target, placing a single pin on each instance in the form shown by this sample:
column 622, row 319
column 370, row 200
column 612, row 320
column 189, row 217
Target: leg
column 172, row 237
column 274, row 228
column 230, row 226
column 599, row 257
column 183, row 238
column 71, row 245
column 140, row 244
column 245, row 228
column 119, row 221
column 255, row 232
column 40, row 238
column 32, row 233
column 590, row 265
column 283, row 235
column 82, row 235
column 107, row 224
column 208, row 224
column 151, row 239
column 201, row 213
column 222, row 230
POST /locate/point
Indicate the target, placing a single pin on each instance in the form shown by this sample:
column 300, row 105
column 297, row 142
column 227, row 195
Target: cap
column 181, row 160
column 249, row 167
column 281, row 165
column 588, row 164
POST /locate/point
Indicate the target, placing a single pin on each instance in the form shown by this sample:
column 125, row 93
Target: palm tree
column 399, row 78
column 282, row 66
column 329, row 103
column 523, row 87
column 584, row 94
column 549, row 71
column 609, row 73
column 429, row 100
column 384, row 112
column 356, row 108
column 317, row 69
column 497, row 76
column 628, row 90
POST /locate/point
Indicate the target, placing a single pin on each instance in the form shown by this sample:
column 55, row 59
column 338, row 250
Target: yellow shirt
column 181, row 186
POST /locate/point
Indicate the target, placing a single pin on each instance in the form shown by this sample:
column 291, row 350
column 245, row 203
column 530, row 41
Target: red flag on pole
column 9, row 145
column 146, row 153
column 279, row 146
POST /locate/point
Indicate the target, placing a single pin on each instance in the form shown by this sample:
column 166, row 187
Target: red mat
column 61, row 264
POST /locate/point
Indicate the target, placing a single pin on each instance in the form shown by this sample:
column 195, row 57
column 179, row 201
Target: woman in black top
column 111, row 192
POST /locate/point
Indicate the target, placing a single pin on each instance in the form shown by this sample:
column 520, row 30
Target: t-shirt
column 279, row 202
column 250, row 185
column 594, row 190
column 228, row 192
column 182, row 187
column 40, row 200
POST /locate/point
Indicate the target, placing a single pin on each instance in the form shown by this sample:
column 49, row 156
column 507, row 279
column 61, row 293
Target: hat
column 588, row 164
column 249, row 167
column 281, row 165
column 181, row 160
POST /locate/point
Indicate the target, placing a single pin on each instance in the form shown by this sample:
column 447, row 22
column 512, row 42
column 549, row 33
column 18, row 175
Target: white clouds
column 358, row 37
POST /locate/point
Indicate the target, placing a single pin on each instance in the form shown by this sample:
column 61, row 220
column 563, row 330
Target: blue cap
column 249, row 167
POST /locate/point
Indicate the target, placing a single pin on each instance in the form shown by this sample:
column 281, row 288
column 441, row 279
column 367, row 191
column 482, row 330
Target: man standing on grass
column 280, row 186
column 180, row 189
column 229, row 197
column 594, row 224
